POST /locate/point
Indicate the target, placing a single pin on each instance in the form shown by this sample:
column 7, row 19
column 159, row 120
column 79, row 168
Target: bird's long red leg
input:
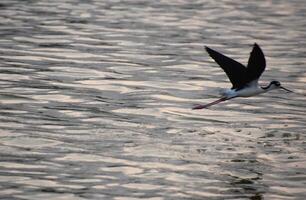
column 210, row 104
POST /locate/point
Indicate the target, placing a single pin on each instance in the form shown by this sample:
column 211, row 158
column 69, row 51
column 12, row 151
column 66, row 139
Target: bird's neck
column 266, row 88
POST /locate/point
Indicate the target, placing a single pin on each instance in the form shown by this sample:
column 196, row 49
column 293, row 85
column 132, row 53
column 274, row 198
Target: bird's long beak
column 285, row 89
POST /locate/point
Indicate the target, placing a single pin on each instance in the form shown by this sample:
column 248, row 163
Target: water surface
column 95, row 100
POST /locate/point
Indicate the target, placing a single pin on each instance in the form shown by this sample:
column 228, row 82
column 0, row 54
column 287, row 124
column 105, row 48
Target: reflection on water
column 95, row 101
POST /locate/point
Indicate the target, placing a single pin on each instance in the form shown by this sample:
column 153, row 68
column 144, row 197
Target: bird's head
column 276, row 85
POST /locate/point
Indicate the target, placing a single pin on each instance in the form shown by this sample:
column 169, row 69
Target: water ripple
column 95, row 100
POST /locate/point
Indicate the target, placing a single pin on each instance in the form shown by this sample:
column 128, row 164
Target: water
column 96, row 100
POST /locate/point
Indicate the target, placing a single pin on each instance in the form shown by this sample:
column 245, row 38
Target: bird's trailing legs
column 210, row 104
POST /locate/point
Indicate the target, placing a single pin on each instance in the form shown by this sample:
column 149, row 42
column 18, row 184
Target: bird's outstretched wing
column 257, row 64
column 236, row 72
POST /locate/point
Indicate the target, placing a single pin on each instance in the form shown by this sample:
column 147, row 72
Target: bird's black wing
column 236, row 72
column 257, row 63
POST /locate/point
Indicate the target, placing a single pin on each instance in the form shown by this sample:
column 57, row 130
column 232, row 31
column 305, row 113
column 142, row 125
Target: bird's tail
column 225, row 92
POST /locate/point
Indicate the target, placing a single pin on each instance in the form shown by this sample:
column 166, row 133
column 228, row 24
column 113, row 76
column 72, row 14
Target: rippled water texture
column 95, row 100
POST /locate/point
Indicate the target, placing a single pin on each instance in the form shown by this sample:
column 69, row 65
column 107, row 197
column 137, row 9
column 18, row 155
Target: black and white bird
column 244, row 79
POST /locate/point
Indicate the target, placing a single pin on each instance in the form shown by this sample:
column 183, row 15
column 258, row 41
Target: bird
column 244, row 79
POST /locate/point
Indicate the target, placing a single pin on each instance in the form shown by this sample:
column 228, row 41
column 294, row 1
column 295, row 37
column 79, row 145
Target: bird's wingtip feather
column 256, row 45
column 207, row 49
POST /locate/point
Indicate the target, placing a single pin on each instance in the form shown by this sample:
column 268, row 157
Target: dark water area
column 96, row 98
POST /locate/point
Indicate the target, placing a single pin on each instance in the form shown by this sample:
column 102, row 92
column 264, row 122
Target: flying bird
column 244, row 79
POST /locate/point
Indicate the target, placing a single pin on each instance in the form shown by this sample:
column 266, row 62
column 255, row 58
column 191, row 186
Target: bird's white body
column 245, row 92
column 251, row 89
